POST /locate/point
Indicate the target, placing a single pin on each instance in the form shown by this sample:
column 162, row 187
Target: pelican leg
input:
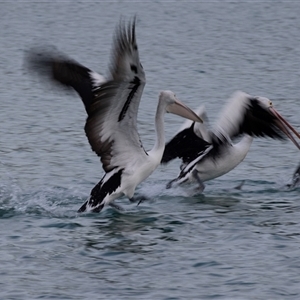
column 239, row 187
column 296, row 177
column 139, row 199
column 116, row 206
column 169, row 184
column 200, row 183
column 294, row 183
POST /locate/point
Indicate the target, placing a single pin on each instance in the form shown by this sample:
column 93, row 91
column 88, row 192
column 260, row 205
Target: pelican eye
column 270, row 103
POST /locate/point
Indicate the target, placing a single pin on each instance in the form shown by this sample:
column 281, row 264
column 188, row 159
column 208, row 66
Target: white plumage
column 209, row 154
column 112, row 107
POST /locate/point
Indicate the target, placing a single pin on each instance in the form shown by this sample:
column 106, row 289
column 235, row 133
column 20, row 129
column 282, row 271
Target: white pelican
column 209, row 154
column 112, row 107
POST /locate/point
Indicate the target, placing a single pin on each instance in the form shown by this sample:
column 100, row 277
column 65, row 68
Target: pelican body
column 112, row 106
column 209, row 154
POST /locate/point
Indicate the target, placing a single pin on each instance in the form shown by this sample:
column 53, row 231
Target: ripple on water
column 224, row 244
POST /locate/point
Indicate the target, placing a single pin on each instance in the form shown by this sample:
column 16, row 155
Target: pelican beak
column 180, row 109
column 284, row 126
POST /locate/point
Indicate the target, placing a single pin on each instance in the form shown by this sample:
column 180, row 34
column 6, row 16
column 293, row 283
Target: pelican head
column 265, row 102
column 174, row 106
column 279, row 121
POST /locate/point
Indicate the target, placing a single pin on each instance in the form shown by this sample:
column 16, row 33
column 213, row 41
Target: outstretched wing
column 245, row 114
column 111, row 126
column 58, row 67
column 112, row 105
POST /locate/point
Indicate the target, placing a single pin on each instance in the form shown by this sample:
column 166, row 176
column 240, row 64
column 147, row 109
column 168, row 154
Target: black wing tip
column 49, row 62
column 125, row 36
column 125, row 31
column 129, row 28
column 42, row 61
column 39, row 58
column 83, row 208
column 95, row 202
column 57, row 68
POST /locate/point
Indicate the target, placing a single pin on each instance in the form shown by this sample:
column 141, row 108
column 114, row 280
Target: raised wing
column 111, row 126
column 245, row 114
column 56, row 66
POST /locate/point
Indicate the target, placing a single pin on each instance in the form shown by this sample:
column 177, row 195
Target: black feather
column 185, row 145
column 258, row 121
column 101, row 190
column 59, row 68
column 134, row 85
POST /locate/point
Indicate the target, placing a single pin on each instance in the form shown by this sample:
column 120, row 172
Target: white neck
column 159, row 146
column 244, row 145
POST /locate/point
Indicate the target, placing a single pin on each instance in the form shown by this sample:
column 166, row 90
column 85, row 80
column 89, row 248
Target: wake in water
column 9, row 191
column 48, row 201
column 62, row 202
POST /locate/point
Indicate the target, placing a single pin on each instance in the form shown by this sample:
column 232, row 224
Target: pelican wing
column 244, row 115
column 200, row 129
column 111, row 126
column 185, row 145
column 54, row 65
column 190, row 141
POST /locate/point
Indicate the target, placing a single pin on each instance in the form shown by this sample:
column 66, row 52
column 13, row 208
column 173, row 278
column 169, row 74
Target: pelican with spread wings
column 112, row 107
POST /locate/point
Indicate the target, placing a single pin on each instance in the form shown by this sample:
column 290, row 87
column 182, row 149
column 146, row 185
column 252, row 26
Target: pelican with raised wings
column 112, row 107
column 209, row 154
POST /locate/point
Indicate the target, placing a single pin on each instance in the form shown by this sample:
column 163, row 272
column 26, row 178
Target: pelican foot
column 139, row 199
column 116, row 206
column 170, row 183
column 198, row 190
column 239, row 187
column 201, row 185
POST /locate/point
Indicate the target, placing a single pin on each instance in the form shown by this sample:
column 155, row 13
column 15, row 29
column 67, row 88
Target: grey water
column 223, row 244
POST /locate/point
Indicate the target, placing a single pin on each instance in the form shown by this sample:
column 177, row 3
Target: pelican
column 112, row 107
column 208, row 154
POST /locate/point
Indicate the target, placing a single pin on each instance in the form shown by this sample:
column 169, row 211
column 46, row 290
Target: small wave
column 51, row 201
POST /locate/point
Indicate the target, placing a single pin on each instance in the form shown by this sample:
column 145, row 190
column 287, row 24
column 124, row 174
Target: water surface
column 225, row 244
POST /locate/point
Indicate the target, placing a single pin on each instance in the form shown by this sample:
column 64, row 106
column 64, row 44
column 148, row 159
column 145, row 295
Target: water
column 225, row 244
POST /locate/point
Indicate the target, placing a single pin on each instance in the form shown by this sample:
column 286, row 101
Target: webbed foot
column 116, row 206
column 170, row 183
column 239, row 187
column 139, row 199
